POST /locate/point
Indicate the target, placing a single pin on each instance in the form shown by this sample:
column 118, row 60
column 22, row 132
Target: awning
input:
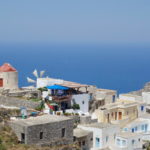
column 57, row 87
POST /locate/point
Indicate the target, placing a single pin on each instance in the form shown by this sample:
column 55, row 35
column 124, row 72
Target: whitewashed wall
column 130, row 97
column 102, row 133
column 146, row 97
column 82, row 100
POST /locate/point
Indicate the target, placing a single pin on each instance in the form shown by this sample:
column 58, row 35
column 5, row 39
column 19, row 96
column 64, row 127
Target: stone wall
column 16, row 102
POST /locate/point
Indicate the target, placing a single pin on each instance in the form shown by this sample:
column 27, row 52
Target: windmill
column 36, row 75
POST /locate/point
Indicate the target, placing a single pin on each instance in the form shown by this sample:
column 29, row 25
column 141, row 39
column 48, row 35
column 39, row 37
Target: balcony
column 61, row 98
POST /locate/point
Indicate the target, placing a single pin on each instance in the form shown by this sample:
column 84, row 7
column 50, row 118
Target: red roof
column 7, row 68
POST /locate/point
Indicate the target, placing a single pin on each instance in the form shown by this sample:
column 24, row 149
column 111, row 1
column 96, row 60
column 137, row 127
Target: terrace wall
column 16, row 102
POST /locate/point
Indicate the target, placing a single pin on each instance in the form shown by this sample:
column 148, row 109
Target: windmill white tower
column 36, row 75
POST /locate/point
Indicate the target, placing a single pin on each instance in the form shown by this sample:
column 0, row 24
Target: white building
column 82, row 100
column 127, row 141
column 131, row 97
column 140, row 125
column 146, row 97
column 103, row 134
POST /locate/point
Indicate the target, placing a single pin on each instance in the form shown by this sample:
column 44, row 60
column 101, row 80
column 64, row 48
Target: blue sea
column 121, row 67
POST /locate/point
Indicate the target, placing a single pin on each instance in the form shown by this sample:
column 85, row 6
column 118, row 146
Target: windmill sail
column 30, row 80
column 35, row 73
column 41, row 73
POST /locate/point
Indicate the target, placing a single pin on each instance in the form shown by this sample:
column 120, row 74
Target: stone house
column 46, row 129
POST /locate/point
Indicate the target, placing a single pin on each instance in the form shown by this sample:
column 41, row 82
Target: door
column 97, row 142
column 108, row 118
column 115, row 115
column 120, row 115
column 1, row 82
column 22, row 138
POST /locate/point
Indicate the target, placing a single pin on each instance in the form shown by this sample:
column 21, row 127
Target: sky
column 75, row 22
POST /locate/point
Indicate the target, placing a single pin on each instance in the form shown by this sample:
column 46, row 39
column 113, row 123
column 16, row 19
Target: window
column 132, row 130
column 136, row 128
column 127, row 112
column 83, row 143
column 1, row 82
column 142, row 127
column 41, row 135
column 139, row 140
column 125, row 129
column 146, row 126
column 113, row 99
column 133, row 141
column 107, row 139
column 118, row 141
column 142, row 108
column 74, row 138
column 123, row 142
column 63, row 132
column 91, row 96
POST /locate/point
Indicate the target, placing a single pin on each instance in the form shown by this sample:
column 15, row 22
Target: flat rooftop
column 99, row 125
column 136, row 121
column 128, row 134
column 70, row 84
column 77, row 132
column 119, row 104
column 44, row 119
column 107, row 91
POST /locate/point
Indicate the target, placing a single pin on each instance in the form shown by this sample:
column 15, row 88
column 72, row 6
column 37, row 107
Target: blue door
column 97, row 142
column 133, row 130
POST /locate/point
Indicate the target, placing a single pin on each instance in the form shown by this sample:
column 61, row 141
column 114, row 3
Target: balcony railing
column 62, row 98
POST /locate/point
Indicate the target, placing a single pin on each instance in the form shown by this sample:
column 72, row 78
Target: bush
column 2, row 147
column 58, row 113
column 40, row 107
column 43, row 89
column 76, row 106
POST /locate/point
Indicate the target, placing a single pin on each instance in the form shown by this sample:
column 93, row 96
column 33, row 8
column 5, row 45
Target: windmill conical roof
column 7, row 68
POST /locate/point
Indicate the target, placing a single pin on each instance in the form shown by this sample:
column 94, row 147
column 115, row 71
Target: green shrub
column 40, row 107
column 43, row 89
column 76, row 106
column 2, row 147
